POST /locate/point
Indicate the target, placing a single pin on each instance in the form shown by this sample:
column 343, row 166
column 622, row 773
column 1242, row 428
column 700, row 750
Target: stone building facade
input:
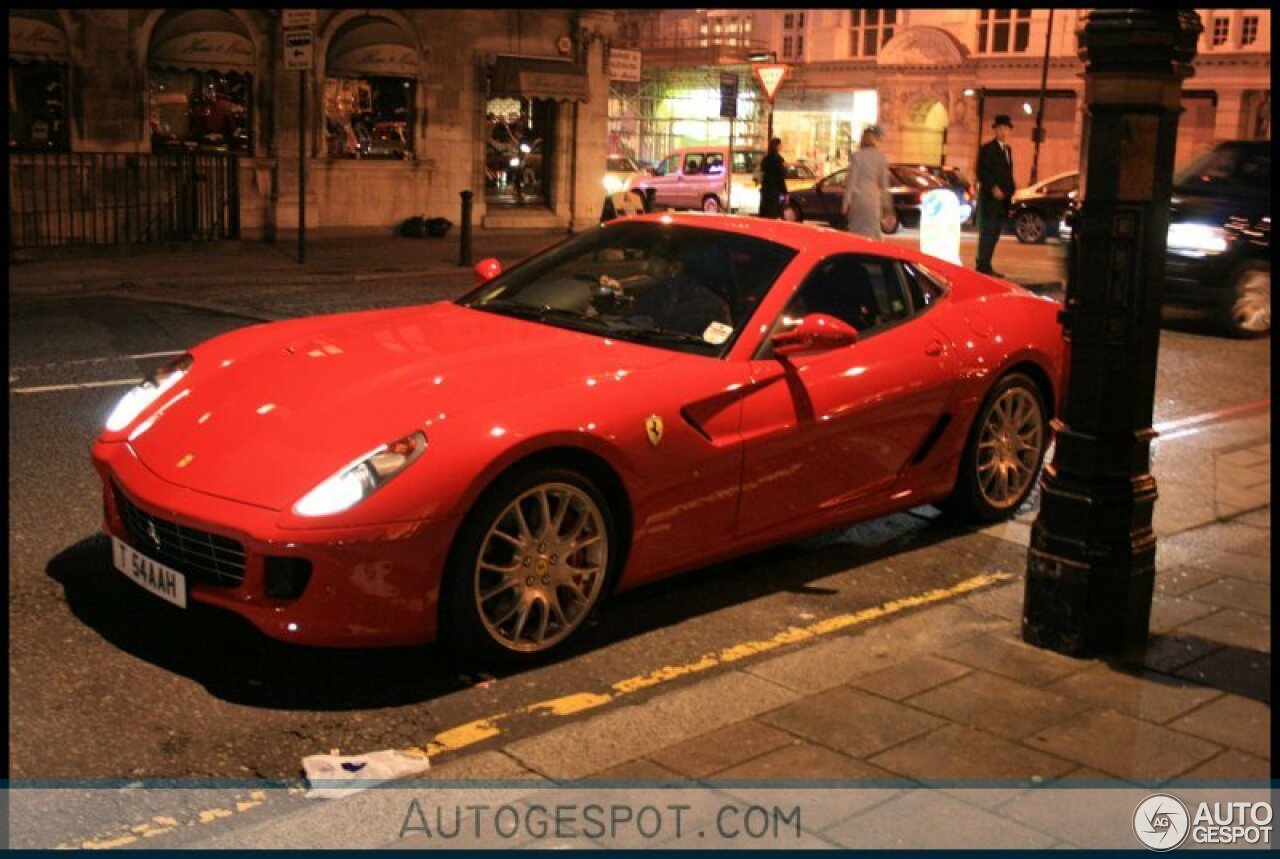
column 405, row 107
column 935, row 78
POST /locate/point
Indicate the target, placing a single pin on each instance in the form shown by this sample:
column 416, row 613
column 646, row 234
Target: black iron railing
column 105, row 198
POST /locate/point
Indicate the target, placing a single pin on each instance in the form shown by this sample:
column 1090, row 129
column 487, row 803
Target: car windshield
column 912, row 177
column 747, row 160
column 678, row 287
column 799, row 171
column 1237, row 170
column 622, row 164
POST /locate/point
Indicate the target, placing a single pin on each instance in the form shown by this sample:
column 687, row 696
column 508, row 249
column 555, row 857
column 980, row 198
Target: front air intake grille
column 203, row 557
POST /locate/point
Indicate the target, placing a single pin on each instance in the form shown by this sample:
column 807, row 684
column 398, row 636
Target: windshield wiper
column 540, row 313
column 661, row 335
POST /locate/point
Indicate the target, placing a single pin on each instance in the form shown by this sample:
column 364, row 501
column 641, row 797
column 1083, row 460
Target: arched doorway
column 924, row 133
column 38, row 82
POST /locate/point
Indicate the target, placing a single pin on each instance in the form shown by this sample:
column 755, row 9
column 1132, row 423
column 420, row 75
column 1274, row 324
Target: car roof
column 1058, row 176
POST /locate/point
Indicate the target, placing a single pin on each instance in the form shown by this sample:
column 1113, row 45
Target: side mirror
column 487, row 270
column 816, row 332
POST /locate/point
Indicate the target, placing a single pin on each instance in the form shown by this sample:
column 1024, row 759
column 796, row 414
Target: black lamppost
column 1091, row 566
column 1037, row 135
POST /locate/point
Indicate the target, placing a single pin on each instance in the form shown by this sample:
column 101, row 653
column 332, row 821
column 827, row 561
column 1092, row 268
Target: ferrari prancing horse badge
column 653, row 427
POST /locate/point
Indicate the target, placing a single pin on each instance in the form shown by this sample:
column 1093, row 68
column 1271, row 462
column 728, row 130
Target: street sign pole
column 299, row 25
column 302, row 167
column 729, row 109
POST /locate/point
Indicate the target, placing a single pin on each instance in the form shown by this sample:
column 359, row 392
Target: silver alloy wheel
column 1251, row 309
column 541, row 567
column 1010, row 447
column 1029, row 228
column 711, row 205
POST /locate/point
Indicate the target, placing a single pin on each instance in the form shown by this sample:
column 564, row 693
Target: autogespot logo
column 1161, row 822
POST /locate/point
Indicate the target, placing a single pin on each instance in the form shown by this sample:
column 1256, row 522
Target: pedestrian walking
column 866, row 188
column 995, row 191
column 773, row 181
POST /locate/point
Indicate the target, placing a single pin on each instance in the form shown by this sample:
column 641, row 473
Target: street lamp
column 1038, row 134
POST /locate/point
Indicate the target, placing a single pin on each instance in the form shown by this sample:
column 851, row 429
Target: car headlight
column 1197, row 239
column 151, row 389
column 357, row 481
column 612, row 184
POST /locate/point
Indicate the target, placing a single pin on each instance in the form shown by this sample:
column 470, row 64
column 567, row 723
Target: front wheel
column 1247, row 311
column 711, row 204
column 1006, row 447
column 1029, row 227
column 529, row 567
column 791, row 212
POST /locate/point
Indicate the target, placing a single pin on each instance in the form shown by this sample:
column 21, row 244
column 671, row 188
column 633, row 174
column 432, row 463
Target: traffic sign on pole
column 771, row 76
column 728, row 95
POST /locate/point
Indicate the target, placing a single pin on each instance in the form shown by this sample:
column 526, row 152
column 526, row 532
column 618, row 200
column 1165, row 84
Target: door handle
column 934, row 348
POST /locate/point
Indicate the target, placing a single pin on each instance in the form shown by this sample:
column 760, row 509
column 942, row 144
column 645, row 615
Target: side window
column 835, row 182
column 865, row 292
column 714, row 164
column 924, row 287
column 692, row 164
column 668, row 166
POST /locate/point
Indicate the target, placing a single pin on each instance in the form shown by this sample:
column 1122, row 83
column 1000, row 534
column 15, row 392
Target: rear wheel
column 791, row 212
column 711, row 204
column 889, row 224
column 1004, row 452
column 529, row 567
column 1247, row 312
column 1029, row 227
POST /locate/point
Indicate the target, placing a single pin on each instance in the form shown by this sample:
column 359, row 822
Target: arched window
column 370, row 87
column 200, row 67
column 38, row 81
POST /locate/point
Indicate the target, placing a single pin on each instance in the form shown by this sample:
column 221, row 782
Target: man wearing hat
column 995, row 191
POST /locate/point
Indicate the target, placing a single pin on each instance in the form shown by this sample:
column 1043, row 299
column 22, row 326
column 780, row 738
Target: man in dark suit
column 995, row 191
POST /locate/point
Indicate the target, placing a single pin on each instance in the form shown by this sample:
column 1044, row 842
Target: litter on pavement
column 335, row 776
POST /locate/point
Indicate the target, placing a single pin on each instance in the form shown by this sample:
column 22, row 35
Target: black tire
column 792, row 212
column 1246, row 311
column 968, row 499
column 711, row 204
column 1030, row 227
column 890, row 224
column 462, row 629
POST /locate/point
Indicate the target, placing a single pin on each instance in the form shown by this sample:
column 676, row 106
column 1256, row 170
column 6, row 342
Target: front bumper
column 1197, row 281
column 369, row 586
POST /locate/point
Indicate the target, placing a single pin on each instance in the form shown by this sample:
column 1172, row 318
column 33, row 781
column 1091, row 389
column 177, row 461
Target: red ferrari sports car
column 647, row 397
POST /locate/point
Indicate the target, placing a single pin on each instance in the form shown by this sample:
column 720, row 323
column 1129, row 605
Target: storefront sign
column 29, row 38
column 390, row 60
column 624, row 65
column 538, row 84
column 207, row 50
column 298, row 50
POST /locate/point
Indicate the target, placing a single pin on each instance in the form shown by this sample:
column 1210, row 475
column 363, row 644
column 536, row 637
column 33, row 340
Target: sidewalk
column 945, row 692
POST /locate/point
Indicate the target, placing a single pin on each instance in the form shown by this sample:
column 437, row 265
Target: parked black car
column 1038, row 209
column 949, row 176
column 1220, row 236
column 822, row 202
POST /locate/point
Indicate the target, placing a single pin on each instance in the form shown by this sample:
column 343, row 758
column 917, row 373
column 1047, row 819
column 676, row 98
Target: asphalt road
column 108, row 682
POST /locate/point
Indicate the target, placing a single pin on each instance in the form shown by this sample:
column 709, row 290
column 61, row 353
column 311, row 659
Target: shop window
column 1004, row 31
column 369, row 117
column 200, row 110
column 1249, row 31
column 37, row 107
column 870, row 30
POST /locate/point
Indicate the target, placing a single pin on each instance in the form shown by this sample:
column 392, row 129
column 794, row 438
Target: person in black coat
column 995, row 191
column 773, row 181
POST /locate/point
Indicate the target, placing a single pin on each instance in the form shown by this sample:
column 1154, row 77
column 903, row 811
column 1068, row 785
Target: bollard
column 464, row 242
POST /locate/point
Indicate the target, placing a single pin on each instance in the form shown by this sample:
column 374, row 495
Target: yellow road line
column 471, row 733
column 487, row 728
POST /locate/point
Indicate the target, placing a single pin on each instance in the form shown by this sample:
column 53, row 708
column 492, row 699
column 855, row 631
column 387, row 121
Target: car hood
column 268, row 412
